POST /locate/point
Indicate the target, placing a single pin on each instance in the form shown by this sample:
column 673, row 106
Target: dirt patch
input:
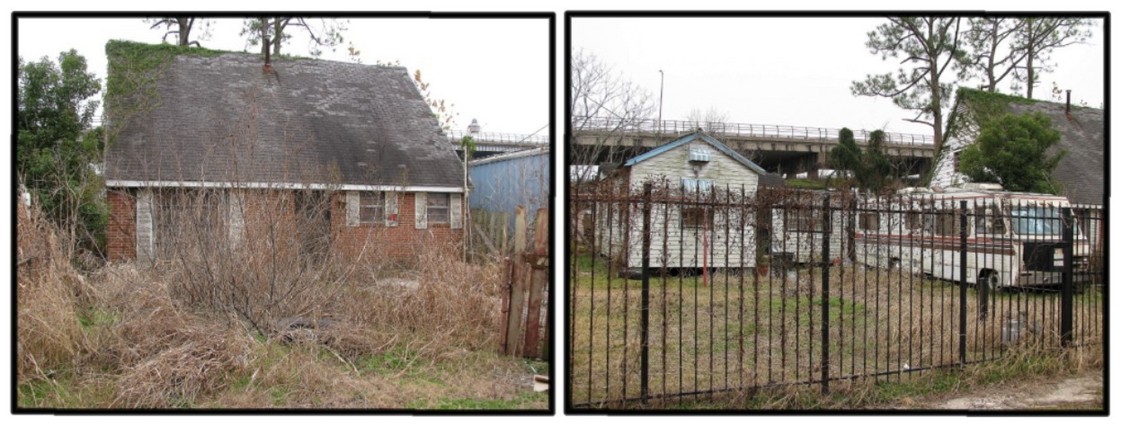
column 1083, row 391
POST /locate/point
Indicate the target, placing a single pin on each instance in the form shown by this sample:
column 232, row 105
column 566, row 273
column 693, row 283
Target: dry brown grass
column 133, row 336
column 49, row 295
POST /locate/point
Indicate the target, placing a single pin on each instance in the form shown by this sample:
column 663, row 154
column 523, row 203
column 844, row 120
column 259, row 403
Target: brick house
column 347, row 155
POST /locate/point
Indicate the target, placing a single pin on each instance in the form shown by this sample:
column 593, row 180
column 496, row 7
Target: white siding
column 726, row 242
column 944, row 175
column 806, row 246
column 674, row 165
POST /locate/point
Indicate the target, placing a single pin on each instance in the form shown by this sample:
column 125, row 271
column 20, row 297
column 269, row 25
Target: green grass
column 96, row 318
column 810, row 184
column 519, row 401
column 397, row 360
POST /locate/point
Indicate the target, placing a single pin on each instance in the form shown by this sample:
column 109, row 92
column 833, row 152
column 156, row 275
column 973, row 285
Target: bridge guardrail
column 748, row 130
column 492, row 138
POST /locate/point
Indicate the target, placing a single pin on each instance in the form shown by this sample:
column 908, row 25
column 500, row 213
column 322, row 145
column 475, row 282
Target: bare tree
column 181, row 27
column 272, row 32
column 604, row 104
column 711, row 120
column 1038, row 37
column 929, row 47
column 994, row 52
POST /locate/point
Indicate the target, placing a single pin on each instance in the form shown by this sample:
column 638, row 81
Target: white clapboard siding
column 455, row 206
column 421, row 210
column 145, row 237
column 352, row 208
column 391, row 209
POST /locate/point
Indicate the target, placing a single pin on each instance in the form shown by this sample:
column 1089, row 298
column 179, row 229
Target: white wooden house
column 684, row 233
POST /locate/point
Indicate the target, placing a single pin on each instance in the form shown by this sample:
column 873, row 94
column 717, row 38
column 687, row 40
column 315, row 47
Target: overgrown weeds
column 214, row 329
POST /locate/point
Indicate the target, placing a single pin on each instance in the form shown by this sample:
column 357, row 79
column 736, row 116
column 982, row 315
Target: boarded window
column 957, row 161
column 942, row 223
column 438, row 207
column 914, row 220
column 371, row 207
column 803, row 220
column 870, row 221
column 696, row 218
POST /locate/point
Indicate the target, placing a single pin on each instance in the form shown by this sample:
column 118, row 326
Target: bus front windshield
column 1036, row 221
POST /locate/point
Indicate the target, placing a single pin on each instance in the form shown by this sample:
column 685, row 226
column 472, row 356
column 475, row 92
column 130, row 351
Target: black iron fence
column 678, row 291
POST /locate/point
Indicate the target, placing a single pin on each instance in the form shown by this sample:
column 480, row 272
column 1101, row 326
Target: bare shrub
column 273, row 262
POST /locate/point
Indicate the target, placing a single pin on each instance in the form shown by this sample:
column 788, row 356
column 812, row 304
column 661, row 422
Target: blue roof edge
column 689, row 138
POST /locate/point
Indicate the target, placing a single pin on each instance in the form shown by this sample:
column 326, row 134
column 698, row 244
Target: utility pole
column 661, row 92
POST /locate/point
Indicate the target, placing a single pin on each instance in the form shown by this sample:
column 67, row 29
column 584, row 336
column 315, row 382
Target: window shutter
column 145, row 238
column 421, row 210
column 391, row 209
column 237, row 218
column 455, row 208
column 351, row 208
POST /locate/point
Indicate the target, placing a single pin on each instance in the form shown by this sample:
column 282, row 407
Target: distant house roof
column 222, row 118
column 1081, row 172
column 690, row 138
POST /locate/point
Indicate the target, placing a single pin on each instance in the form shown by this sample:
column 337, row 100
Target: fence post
column 538, row 277
column 647, row 189
column 1066, row 325
column 962, row 258
column 825, row 238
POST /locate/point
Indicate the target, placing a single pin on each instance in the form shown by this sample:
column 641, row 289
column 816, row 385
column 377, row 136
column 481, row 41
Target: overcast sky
column 493, row 70
column 785, row 71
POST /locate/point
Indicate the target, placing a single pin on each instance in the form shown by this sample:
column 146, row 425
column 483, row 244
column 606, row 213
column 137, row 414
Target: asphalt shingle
column 223, row 118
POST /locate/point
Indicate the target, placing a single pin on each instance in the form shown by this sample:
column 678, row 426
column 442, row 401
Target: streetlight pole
column 661, row 92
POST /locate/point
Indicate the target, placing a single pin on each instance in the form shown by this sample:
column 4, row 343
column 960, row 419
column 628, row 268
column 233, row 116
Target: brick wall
column 122, row 225
column 399, row 244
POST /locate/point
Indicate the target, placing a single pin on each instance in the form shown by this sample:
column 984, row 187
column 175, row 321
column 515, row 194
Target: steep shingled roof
column 1081, row 173
column 222, row 118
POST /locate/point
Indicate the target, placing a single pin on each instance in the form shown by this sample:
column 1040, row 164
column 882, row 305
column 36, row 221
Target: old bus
column 1012, row 239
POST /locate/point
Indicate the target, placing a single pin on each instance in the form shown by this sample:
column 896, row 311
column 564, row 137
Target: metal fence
column 744, row 130
column 676, row 293
column 498, row 138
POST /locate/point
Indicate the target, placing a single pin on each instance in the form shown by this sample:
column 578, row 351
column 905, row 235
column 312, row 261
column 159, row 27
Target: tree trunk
column 277, row 35
column 184, row 30
column 936, row 108
column 264, row 36
column 990, row 70
column 1031, row 57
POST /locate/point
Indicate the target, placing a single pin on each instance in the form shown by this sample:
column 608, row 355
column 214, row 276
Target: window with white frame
column 371, row 207
column 693, row 185
column 438, row 207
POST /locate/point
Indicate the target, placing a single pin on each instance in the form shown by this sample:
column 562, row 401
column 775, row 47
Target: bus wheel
column 990, row 279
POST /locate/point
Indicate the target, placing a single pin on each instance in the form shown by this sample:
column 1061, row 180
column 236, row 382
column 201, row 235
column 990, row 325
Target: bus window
column 1036, row 221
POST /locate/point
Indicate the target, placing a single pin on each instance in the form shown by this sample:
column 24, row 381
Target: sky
column 785, row 71
column 492, row 70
